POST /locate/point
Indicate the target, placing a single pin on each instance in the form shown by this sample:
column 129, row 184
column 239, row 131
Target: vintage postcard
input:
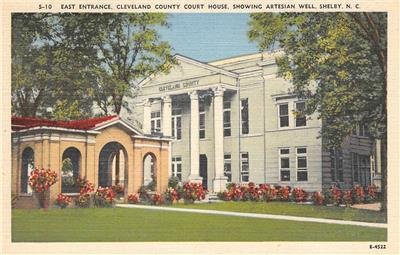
column 200, row 127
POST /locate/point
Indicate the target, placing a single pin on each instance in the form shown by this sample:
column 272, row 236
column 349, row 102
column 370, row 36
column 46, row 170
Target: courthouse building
column 233, row 120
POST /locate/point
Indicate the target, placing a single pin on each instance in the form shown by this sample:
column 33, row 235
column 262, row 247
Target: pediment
column 185, row 73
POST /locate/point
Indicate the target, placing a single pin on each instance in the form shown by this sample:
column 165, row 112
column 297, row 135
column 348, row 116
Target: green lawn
column 285, row 208
column 125, row 224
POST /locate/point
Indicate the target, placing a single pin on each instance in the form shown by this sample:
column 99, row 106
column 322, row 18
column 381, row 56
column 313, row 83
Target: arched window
column 112, row 165
column 70, row 170
column 26, row 168
column 149, row 171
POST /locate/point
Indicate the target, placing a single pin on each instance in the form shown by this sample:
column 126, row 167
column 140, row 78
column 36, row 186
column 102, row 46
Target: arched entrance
column 150, row 171
column 26, row 168
column 71, row 160
column 113, row 167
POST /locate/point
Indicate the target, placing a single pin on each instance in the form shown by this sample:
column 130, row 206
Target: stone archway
column 28, row 156
column 150, row 171
column 113, row 165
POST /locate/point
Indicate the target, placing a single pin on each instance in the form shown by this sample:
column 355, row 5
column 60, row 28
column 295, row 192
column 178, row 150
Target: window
column 202, row 121
column 228, row 167
column 245, row 115
column 176, row 123
column 284, row 164
column 156, row 122
column 355, row 167
column 284, row 115
column 244, row 171
column 336, row 156
column 300, row 117
column 177, row 167
column 227, row 118
column 301, row 155
column 361, row 130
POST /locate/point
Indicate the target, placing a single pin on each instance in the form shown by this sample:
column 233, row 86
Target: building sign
column 178, row 85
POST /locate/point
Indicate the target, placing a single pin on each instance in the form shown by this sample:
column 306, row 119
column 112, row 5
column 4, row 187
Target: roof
column 20, row 123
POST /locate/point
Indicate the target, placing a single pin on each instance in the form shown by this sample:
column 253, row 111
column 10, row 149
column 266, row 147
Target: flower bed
column 40, row 181
column 266, row 192
column 63, row 201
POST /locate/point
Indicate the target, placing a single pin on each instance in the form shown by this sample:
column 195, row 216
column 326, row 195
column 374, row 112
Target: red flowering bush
column 371, row 192
column 283, row 193
column 335, row 195
column 299, row 195
column 267, row 193
column 133, row 198
column 193, row 191
column 171, row 195
column 119, row 189
column 318, row 198
column 85, row 193
column 104, row 197
column 250, row 192
column 347, row 197
column 157, row 199
column 63, row 201
column 40, row 180
column 358, row 194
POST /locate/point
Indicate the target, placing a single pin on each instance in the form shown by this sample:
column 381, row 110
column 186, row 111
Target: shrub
column 335, row 195
column 173, row 182
column 104, row 197
column 299, row 195
column 250, row 193
column 358, row 194
column 318, row 198
column 156, row 199
column 40, row 180
column 266, row 192
column 171, row 195
column 84, row 199
column 371, row 192
column 63, row 201
column 347, row 197
column 133, row 198
column 151, row 186
column 193, row 191
column 144, row 196
column 283, row 193
column 118, row 189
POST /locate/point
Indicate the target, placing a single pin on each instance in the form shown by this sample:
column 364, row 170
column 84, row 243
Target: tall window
column 202, row 121
column 227, row 118
column 336, row 156
column 156, row 122
column 176, row 123
column 283, row 115
column 244, row 103
column 177, row 167
column 284, row 164
column 301, row 155
column 244, row 170
column 300, row 117
column 355, row 167
column 228, row 167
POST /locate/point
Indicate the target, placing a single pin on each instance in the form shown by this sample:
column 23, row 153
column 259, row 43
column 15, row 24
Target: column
column 219, row 183
column 147, row 116
column 166, row 116
column 194, row 138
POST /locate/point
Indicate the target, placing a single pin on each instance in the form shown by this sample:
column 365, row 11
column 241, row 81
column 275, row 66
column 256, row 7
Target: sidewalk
column 257, row 215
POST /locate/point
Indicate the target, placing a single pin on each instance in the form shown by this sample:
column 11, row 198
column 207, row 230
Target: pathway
column 257, row 215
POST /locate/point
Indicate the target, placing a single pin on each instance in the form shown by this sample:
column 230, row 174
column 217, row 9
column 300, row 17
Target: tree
column 66, row 62
column 337, row 63
column 43, row 76
column 122, row 50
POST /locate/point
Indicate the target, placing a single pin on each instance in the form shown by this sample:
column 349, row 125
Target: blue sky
column 209, row 36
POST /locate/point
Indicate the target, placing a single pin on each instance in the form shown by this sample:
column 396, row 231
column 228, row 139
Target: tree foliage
column 336, row 61
column 66, row 62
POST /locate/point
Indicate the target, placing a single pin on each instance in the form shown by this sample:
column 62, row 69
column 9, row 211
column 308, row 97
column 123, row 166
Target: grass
column 285, row 208
column 138, row 225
